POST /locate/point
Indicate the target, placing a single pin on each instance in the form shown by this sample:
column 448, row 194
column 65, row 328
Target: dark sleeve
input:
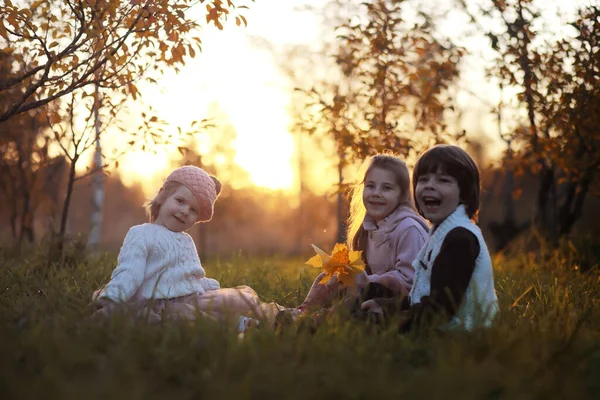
column 450, row 275
column 390, row 301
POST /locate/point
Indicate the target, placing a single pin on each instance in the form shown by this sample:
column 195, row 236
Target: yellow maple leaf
column 347, row 264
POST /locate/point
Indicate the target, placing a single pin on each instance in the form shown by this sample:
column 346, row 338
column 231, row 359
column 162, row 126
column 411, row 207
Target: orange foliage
column 67, row 45
column 342, row 262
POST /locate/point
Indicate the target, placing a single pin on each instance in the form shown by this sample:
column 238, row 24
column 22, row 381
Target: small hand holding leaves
column 343, row 262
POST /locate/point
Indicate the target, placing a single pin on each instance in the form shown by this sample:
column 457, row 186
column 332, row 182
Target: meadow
column 545, row 342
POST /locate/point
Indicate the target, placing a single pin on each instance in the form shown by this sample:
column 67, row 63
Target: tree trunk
column 341, row 220
column 13, row 225
column 509, row 188
column 504, row 232
column 546, row 199
column 97, row 187
column 26, row 218
column 66, row 204
column 546, row 204
column 8, row 189
column 301, row 189
column 571, row 209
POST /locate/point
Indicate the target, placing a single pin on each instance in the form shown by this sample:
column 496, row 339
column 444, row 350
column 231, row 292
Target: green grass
column 544, row 344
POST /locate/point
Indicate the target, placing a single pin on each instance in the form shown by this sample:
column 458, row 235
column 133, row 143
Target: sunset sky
column 246, row 83
column 247, row 86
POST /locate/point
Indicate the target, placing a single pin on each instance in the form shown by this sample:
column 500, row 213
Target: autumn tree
column 23, row 159
column 321, row 106
column 68, row 55
column 328, row 112
column 575, row 66
column 388, row 91
column 28, row 173
column 558, row 92
column 78, row 133
column 64, row 45
column 400, row 72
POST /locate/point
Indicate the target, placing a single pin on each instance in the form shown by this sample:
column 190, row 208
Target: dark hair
column 457, row 163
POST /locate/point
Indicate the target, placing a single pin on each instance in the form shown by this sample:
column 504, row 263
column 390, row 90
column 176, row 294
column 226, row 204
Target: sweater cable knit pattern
column 480, row 303
column 156, row 263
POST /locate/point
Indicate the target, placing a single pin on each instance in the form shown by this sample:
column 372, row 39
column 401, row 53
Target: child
column 159, row 272
column 383, row 224
column 453, row 272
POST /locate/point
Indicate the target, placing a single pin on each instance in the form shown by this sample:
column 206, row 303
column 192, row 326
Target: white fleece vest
column 480, row 304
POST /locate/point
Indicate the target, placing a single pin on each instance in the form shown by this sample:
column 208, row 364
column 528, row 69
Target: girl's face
column 437, row 195
column 179, row 212
column 381, row 193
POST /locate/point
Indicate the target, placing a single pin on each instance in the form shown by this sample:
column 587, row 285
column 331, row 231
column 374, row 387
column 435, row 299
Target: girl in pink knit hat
column 158, row 271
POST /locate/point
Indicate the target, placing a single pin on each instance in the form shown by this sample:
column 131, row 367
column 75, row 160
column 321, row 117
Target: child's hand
column 97, row 293
column 333, row 282
column 103, row 302
column 371, row 306
column 361, row 280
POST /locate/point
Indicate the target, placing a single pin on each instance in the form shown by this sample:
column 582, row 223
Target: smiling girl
column 454, row 280
column 385, row 226
column 158, row 271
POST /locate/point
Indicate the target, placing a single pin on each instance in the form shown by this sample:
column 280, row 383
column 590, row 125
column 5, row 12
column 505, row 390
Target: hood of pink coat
column 390, row 222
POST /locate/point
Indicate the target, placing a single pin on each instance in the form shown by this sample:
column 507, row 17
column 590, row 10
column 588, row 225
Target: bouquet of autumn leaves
column 342, row 261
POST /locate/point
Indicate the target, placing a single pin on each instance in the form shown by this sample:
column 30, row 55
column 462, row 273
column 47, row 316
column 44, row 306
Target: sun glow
column 243, row 80
column 245, row 86
column 144, row 169
column 242, row 84
column 267, row 156
column 264, row 147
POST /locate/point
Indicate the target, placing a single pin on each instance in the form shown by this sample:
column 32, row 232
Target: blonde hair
column 152, row 207
column 356, row 235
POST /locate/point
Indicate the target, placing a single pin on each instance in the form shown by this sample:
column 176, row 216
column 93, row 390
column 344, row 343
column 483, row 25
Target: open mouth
column 431, row 202
column 178, row 219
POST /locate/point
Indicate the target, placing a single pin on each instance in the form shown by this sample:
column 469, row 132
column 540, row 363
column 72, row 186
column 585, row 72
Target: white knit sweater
column 156, row 263
column 480, row 303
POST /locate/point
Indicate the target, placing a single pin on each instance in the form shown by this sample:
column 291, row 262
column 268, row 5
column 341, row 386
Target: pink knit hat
column 202, row 186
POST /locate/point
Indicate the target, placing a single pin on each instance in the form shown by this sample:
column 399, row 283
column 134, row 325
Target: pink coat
column 392, row 245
